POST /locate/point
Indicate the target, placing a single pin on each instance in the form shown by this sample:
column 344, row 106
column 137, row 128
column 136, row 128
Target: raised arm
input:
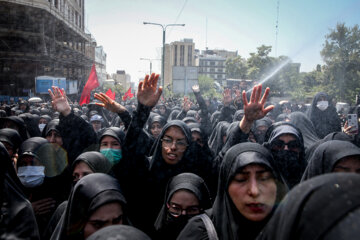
column 254, row 109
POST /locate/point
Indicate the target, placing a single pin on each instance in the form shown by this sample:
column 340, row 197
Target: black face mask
column 175, row 225
column 288, row 163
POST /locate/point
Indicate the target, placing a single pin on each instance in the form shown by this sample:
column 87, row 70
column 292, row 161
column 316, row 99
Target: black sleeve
column 226, row 113
column 77, row 135
column 205, row 123
column 194, row 229
column 126, row 118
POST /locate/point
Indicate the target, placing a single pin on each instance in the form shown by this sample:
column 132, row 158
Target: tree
column 207, row 86
column 341, row 53
column 236, row 68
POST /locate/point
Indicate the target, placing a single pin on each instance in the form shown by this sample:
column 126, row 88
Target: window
column 182, row 52
column 189, row 63
column 175, row 55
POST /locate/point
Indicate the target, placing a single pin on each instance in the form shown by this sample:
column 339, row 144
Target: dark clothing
column 120, row 232
column 327, row 155
column 227, row 220
column 17, row 216
column 140, row 177
column 169, row 227
column 216, row 139
column 326, row 121
column 90, row 193
column 302, row 122
column 315, row 208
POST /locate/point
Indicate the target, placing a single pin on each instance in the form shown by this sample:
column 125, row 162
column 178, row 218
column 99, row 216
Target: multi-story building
column 42, row 38
column 122, row 78
column 100, row 63
column 212, row 66
column 178, row 54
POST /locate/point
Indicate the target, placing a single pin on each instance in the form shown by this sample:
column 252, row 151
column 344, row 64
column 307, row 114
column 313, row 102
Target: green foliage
column 207, row 88
column 236, row 68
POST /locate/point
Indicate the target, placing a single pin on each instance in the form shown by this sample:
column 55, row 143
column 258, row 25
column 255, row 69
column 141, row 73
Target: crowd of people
column 242, row 168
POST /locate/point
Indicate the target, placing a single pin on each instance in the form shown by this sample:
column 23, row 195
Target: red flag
column 128, row 94
column 91, row 84
column 110, row 94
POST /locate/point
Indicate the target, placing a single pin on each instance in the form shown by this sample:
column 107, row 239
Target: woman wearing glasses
column 186, row 196
column 144, row 179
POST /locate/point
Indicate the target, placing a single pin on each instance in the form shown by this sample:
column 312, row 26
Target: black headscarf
column 260, row 135
column 31, row 122
column 238, row 115
column 291, row 164
column 114, row 132
column 119, row 232
column 173, row 114
column 11, row 136
column 169, row 227
column 302, row 122
column 227, row 220
column 155, row 118
column 216, row 141
column 90, row 193
column 327, row 155
column 96, row 161
column 314, row 208
column 17, row 216
column 19, row 122
column 53, row 125
column 326, row 121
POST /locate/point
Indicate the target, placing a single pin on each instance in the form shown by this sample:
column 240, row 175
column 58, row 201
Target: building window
column 212, row 70
column 212, row 63
column 182, row 55
column 189, row 56
column 175, row 55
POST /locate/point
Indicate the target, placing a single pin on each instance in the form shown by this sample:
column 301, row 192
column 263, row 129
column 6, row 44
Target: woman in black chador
column 325, row 207
column 323, row 115
column 186, row 196
column 249, row 189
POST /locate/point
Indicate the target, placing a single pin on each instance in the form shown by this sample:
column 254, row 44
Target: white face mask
column 42, row 126
column 31, row 176
column 322, row 105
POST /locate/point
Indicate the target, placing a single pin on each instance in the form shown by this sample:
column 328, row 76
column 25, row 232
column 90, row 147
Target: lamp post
column 164, row 26
column 150, row 60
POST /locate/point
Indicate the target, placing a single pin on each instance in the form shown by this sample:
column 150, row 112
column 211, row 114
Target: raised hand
column 147, row 93
column 59, row 101
column 349, row 130
column 186, row 104
column 195, row 88
column 254, row 109
column 109, row 104
column 227, row 97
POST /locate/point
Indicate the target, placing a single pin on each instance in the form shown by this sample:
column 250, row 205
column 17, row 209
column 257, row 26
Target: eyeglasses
column 176, row 210
column 180, row 144
column 280, row 145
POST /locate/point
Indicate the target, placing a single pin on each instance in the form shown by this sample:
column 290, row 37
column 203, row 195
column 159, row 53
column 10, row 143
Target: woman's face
column 348, row 164
column 155, row 129
column 81, row 170
column 174, row 145
column 106, row 215
column 183, row 202
column 109, row 142
column 253, row 192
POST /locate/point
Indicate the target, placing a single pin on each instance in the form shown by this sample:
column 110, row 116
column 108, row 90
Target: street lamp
column 150, row 60
column 164, row 26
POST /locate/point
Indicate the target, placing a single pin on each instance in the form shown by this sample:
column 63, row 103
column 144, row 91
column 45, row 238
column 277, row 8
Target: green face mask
column 113, row 155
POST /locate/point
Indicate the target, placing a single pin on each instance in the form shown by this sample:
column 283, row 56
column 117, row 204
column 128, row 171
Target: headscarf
column 119, row 232
column 173, row 115
column 315, row 208
column 326, row 121
column 260, row 135
column 51, row 126
column 327, row 155
column 17, row 216
column 228, row 222
column 168, row 226
column 291, row 164
column 114, row 132
column 11, row 136
column 31, row 122
column 90, row 193
column 96, row 161
column 216, row 141
column 155, row 118
column 302, row 122
column 19, row 122
column 238, row 115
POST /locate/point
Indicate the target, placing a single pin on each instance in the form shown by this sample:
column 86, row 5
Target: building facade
column 178, row 54
column 212, row 66
column 122, row 78
column 100, row 63
column 42, row 38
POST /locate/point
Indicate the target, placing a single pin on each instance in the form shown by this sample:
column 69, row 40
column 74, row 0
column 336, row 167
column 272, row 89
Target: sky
column 234, row 25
